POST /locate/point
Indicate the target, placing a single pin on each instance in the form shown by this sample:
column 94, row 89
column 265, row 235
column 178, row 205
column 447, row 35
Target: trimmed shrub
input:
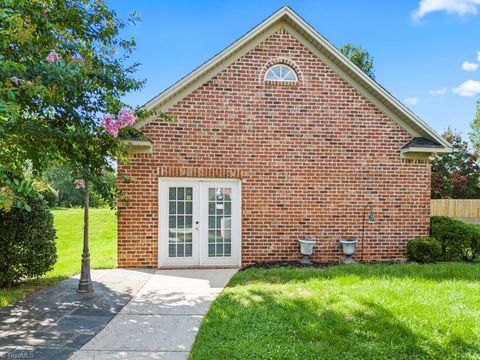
column 459, row 240
column 27, row 243
column 475, row 245
column 424, row 249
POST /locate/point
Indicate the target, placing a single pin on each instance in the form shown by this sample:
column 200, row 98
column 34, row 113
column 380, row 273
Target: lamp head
column 371, row 218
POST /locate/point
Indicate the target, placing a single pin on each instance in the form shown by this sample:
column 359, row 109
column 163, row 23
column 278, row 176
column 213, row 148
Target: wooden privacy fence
column 457, row 208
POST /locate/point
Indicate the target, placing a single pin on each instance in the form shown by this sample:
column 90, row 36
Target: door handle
column 197, row 225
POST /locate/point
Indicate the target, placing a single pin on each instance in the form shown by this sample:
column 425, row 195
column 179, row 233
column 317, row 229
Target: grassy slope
column 69, row 226
column 346, row 312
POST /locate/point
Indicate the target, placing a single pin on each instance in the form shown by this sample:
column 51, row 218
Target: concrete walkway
column 56, row 321
column 162, row 319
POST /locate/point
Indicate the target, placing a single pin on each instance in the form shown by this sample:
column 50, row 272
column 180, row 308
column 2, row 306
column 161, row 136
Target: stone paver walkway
column 55, row 322
column 162, row 319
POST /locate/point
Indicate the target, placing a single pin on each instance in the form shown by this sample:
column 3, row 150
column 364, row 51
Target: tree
column 359, row 57
column 63, row 66
column 456, row 175
column 58, row 180
column 475, row 133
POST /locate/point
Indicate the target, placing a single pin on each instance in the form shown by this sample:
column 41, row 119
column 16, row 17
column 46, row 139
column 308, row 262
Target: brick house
column 279, row 137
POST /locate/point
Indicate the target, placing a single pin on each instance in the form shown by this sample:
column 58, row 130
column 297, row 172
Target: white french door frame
column 163, row 227
column 200, row 214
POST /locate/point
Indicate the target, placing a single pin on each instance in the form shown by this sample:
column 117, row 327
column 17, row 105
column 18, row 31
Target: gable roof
column 286, row 18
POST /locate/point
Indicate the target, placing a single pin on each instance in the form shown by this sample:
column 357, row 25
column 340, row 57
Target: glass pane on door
column 219, row 222
column 180, row 221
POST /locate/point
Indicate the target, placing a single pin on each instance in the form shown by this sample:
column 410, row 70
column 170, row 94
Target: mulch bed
column 314, row 264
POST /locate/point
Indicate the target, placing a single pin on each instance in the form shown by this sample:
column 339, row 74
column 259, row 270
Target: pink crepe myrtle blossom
column 52, row 57
column 15, row 80
column 110, row 124
column 80, row 184
column 113, row 125
column 125, row 115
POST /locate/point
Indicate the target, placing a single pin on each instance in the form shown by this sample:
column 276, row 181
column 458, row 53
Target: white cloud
column 460, row 7
column 468, row 88
column 438, row 92
column 468, row 66
column 411, row 101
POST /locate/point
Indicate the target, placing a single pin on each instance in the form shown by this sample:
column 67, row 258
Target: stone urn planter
column 306, row 249
column 348, row 247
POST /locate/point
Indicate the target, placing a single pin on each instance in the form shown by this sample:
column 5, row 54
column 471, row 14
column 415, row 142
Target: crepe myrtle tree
column 63, row 71
column 62, row 66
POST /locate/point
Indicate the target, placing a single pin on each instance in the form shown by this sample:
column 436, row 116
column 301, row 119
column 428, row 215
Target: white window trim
column 280, row 80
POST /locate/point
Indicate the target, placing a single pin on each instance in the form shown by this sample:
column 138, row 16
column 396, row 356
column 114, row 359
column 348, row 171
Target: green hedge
column 459, row 241
column 27, row 243
column 424, row 249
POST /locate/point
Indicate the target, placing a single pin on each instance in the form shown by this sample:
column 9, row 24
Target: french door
column 199, row 222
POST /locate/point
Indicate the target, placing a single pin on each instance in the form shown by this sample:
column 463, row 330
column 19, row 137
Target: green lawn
column 403, row 311
column 69, row 226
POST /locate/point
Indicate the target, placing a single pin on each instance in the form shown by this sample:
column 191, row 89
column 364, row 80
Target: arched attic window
column 281, row 72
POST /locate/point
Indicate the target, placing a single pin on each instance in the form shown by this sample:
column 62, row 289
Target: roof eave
column 138, row 146
column 419, row 152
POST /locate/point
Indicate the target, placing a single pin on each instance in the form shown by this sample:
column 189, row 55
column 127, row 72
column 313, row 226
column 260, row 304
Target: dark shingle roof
column 422, row 142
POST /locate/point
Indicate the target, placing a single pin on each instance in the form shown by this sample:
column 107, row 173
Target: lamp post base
column 85, row 287
column 85, row 284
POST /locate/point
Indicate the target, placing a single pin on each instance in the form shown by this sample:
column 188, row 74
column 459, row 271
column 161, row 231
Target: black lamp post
column 371, row 220
column 85, row 284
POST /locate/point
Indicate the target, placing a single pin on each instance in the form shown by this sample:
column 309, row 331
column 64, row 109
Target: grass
column 69, row 226
column 403, row 311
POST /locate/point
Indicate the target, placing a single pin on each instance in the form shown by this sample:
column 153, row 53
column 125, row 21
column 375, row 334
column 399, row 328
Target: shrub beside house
column 27, row 243
column 451, row 240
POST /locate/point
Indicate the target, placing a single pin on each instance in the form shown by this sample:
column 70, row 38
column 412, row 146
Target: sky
column 426, row 52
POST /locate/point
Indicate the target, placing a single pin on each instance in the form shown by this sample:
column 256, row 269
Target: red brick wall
column 310, row 156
